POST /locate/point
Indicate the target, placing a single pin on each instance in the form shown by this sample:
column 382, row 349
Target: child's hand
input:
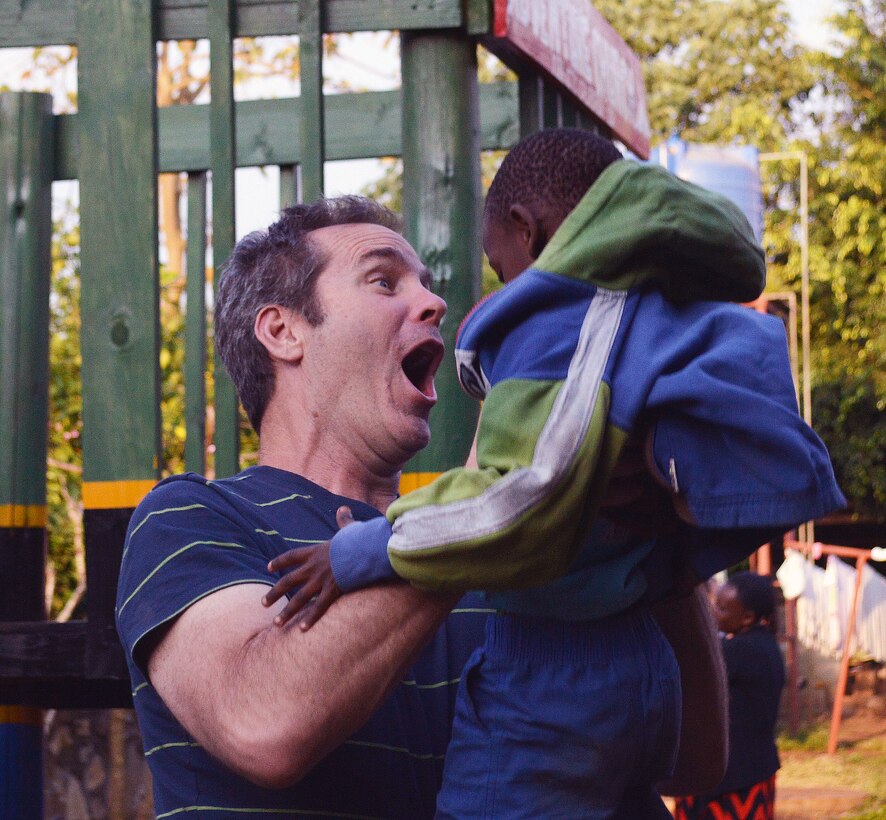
column 313, row 573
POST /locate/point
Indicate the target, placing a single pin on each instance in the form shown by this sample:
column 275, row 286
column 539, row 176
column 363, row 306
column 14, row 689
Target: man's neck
column 322, row 459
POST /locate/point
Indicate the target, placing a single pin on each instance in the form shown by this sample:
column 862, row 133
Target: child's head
column 745, row 600
column 539, row 182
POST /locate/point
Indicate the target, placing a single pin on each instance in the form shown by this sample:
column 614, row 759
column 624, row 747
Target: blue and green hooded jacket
column 624, row 321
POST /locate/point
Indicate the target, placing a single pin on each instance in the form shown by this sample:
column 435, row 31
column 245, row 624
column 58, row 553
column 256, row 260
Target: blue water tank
column 731, row 170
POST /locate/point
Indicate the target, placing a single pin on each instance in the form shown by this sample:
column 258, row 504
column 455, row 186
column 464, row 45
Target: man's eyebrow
column 390, row 254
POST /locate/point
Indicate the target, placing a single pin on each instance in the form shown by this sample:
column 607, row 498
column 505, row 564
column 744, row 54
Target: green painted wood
column 195, row 327
column 442, row 208
column 26, row 148
column 530, row 90
column 118, row 227
column 311, row 121
column 222, row 163
column 552, row 106
column 288, row 185
column 478, row 16
column 48, row 22
column 359, row 125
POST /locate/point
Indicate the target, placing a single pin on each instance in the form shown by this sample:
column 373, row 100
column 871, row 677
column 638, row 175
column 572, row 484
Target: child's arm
column 312, row 577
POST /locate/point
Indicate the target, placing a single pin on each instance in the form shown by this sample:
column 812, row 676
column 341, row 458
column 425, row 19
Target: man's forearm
column 271, row 702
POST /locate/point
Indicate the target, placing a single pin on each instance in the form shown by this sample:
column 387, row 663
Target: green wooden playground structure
column 573, row 70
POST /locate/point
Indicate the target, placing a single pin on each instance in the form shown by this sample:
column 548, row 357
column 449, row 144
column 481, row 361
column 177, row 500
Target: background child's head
column 539, row 182
column 745, row 600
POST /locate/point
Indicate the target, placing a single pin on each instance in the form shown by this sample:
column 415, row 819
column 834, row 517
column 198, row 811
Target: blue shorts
column 564, row 720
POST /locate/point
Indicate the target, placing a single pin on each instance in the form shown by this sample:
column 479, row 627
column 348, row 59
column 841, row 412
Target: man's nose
column 429, row 307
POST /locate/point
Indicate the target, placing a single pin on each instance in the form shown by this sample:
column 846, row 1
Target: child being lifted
column 615, row 320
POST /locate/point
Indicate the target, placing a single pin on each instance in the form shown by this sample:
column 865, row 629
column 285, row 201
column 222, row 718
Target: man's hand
column 313, row 573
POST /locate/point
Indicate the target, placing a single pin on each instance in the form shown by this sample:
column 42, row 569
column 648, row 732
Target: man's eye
column 382, row 281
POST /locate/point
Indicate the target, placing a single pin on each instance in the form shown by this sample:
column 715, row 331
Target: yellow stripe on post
column 413, row 481
column 115, row 495
column 23, row 515
column 21, row 715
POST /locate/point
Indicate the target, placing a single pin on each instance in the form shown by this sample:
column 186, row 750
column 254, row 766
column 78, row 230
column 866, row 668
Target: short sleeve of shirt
column 186, row 540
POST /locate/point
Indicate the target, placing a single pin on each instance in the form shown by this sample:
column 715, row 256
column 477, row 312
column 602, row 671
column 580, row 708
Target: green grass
column 859, row 765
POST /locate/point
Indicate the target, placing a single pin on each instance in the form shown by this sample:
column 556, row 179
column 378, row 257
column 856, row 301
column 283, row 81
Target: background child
column 571, row 708
column 755, row 672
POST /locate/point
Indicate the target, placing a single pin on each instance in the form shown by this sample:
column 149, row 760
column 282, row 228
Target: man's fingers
column 344, row 516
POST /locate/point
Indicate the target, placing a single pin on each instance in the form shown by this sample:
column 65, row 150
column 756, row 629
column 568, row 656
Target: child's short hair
column 553, row 167
column 755, row 593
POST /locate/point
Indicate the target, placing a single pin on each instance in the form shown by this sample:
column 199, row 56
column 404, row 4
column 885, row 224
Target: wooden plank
column 358, row 126
column 223, row 165
column 195, row 327
column 39, row 649
column 571, row 43
column 478, row 16
column 119, row 262
column 311, row 121
column 26, row 150
column 49, row 22
column 442, row 209
column 288, row 185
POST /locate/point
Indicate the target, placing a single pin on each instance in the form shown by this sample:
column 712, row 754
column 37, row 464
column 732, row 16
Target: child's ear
column 279, row 330
column 530, row 230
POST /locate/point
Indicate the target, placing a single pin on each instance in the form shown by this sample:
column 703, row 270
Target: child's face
column 507, row 248
column 732, row 617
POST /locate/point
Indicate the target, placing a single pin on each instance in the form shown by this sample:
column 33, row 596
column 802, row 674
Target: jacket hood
column 640, row 223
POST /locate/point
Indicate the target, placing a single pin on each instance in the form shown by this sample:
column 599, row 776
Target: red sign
column 571, row 41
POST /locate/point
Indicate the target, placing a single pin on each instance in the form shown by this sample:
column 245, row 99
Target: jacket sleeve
column 545, row 454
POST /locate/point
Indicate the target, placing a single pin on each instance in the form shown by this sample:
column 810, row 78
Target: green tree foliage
column 715, row 70
column 722, row 71
column 848, row 225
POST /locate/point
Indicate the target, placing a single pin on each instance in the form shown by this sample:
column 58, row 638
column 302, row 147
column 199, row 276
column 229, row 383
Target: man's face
column 371, row 362
column 506, row 248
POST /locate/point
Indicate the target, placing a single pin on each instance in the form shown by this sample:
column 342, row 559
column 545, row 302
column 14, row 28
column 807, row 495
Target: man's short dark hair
column 278, row 266
column 552, row 169
column 755, row 593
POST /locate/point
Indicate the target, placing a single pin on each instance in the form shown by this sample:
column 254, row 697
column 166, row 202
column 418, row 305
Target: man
column 329, row 330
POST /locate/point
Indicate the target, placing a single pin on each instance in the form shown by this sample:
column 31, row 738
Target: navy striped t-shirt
column 191, row 537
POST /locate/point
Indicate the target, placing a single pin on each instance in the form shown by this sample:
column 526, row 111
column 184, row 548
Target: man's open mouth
column 420, row 365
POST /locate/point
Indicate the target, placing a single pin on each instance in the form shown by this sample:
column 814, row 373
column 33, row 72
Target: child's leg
column 561, row 720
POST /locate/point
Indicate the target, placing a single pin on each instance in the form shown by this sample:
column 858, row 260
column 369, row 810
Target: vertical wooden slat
column 195, row 327
column 119, row 302
column 478, row 16
column 530, row 91
column 310, row 51
column 222, row 156
column 441, row 206
column 26, row 157
column 288, row 185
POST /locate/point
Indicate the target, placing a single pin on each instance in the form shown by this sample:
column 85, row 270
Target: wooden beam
column 358, row 126
column 312, row 119
column 222, row 155
column 442, row 210
column 195, row 327
column 54, row 22
column 26, row 147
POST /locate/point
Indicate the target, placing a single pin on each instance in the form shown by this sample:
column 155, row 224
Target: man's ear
column 279, row 329
column 530, row 229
